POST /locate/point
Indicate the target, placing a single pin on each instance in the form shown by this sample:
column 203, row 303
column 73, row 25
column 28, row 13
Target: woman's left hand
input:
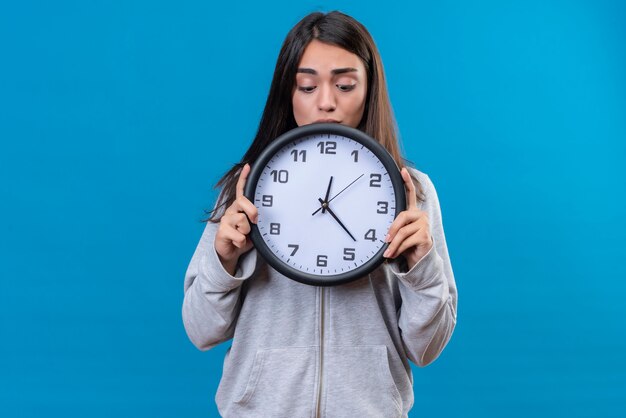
column 409, row 234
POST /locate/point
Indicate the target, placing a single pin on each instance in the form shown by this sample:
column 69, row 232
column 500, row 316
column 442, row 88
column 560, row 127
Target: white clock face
column 314, row 238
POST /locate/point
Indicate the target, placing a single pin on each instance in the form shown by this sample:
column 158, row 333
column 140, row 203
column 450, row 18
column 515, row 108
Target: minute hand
column 342, row 190
column 337, row 219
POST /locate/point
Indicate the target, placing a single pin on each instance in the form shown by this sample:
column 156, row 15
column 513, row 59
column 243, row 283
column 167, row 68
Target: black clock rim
column 301, row 132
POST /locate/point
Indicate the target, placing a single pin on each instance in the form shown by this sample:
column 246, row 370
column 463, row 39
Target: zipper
column 319, row 387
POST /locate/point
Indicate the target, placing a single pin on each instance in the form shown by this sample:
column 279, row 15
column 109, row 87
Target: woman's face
column 331, row 86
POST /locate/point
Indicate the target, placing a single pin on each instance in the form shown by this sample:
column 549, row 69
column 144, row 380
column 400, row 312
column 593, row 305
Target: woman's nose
column 326, row 99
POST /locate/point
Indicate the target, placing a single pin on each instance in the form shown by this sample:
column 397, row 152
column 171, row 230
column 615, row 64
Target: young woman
column 306, row 351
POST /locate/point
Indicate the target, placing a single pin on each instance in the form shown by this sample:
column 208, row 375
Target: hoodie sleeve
column 427, row 315
column 211, row 301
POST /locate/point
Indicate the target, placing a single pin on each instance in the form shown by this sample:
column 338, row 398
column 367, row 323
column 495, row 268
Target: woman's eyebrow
column 334, row 71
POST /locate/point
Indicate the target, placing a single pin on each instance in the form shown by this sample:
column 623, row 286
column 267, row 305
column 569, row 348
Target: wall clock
column 326, row 195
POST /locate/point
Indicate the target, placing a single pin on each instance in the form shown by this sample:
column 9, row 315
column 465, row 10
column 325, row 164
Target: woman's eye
column 306, row 89
column 346, row 87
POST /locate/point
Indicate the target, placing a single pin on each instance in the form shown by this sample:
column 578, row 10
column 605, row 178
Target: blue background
column 117, row 118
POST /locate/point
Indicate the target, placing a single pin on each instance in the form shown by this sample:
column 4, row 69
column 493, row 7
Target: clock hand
column 325, row 206
column 353, row 181
column 332, row 198
column 327, row 193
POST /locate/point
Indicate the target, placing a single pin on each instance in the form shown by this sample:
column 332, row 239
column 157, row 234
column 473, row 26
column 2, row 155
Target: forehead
column 321, row 57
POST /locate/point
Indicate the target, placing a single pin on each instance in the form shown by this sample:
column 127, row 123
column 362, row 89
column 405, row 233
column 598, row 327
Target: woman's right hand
column 231, row 240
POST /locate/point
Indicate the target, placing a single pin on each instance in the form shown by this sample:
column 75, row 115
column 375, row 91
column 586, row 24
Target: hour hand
column 325, row 206
column 327, row 193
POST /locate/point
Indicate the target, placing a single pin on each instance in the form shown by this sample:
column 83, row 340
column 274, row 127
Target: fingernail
column 387, row 238
column 387, row 254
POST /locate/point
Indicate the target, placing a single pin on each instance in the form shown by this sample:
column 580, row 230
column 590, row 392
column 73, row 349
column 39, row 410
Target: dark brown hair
column 334, row 28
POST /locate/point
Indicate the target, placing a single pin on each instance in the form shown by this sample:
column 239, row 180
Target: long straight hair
column 334, row 28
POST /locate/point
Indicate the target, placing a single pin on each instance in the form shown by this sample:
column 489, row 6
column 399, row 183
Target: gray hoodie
column 306, row 351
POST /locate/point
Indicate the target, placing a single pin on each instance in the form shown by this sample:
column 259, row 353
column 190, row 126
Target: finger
column 243, row 176
column 241, row 224
column 248, row 208
column 230, row 235
column 404, row 218
column 238, row 221
column 403, row 235
column 240, row 204
column 413, row 241
column 420, row 238
column 243, row 205
column 408, row 183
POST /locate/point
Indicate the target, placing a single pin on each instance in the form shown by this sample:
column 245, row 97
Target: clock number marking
column 383, row 207
column 302, row 154
column 295, row 249
column 275, row 229
column 355, row 154
column 370, row 235
column 322, row 261
column 327, row 147
column 348, row 254
column 281, row 176
column 375, row 180
column 268, row 200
